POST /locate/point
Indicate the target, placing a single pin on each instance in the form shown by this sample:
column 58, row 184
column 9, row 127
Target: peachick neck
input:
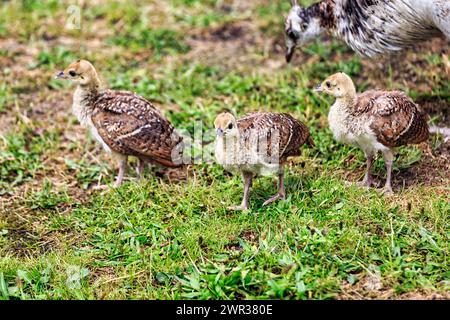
column 346, row 102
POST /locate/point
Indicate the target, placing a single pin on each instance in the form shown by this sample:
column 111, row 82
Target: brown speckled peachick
column 258, row 144
column 124, row 123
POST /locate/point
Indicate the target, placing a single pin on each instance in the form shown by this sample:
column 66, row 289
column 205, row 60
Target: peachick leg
column 122, row 167
column 140, row 168
column 281, row 193
column 248, row 177
column 367, row 181
column 388, row 160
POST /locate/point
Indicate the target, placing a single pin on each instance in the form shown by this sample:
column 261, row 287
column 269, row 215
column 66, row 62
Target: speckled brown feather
column 396, row 119
column 261, row 126
column 131, row 125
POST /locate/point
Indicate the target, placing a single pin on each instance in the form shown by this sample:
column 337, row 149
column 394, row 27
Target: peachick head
column 226, row 125
column 81, row 72
column 300, row 28
column 338, row 85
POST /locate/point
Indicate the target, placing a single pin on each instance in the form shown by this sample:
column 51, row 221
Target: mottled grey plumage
column 125, row 123
column 369, row 27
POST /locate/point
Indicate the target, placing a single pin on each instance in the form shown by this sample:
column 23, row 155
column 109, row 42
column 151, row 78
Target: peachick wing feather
column 131, row 125
column 289, row 133
column 395, row 119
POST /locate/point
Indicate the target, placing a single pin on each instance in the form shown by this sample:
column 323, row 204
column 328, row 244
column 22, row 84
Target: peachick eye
column 230, row 126
column 72, row 73
column 328, row 84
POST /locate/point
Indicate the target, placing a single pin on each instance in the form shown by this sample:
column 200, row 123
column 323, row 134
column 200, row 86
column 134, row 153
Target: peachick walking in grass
column 374, row 121
column 258, row 144
column 124, row 123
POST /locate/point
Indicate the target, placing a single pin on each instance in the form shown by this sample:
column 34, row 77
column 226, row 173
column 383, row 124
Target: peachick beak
column 318, row 88
column 60, row 75
column 219, row 132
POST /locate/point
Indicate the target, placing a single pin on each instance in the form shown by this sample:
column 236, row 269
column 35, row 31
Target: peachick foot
column 386, row 191
column 365, row 183
column 274, row 198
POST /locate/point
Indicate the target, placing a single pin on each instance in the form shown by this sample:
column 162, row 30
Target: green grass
column 162, row 239
column 162, row 41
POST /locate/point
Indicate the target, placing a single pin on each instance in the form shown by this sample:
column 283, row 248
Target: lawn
column 169, row 236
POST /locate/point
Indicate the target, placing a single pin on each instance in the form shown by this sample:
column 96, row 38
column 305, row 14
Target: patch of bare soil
column 228, row 44
column 409, row 67
column 233, row 247
column 436, row 107
column 237, row 46
column 432, row 170
column 249, row 236
column 371, row 287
